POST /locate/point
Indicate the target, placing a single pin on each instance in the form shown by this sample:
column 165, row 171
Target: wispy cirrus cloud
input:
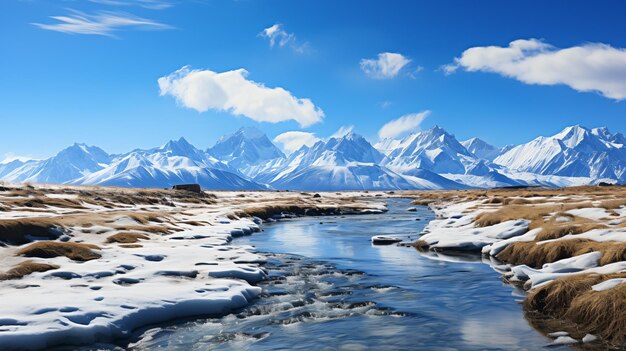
column 231, row 91
column 386, row 65
column 104, row 23
column 278, row 36
column 402, row 125
column 589, row 67
column 149, row 4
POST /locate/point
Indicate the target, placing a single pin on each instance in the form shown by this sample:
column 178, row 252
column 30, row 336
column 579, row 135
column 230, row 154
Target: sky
column 134, row 74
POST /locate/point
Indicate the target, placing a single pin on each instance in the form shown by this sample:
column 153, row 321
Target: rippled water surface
column 330, row 289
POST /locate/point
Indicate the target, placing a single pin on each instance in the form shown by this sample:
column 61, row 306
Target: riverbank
column 331, row 289
column 566, row 247
column 87, row 264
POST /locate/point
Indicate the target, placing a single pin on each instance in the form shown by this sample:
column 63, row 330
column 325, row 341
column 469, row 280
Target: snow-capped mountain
column 348, row 162
column 173, row 163
column 574, row 152
column 482, row 149
column 245, row 148
column 430, row 159
column 73, row 162
column 434, row 149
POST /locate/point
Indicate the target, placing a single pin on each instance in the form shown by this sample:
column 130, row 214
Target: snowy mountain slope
column 173, row 163
column 434, row 149
column 482, row 149
column 431, row 159
column 73, row 162
column 574, row 152
column 8, row 167
column 349, row 162
column 245, row 148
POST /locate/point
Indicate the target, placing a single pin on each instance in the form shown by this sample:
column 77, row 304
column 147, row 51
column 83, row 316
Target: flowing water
column 331, row 289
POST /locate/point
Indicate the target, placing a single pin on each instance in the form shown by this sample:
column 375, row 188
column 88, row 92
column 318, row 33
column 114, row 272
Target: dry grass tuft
column 25, row 268
column 535, row 213
column 612, row 204
column 49, row 249
column 146, row 228
column 126, row 238
column 577, row 225
column 571, row 299
column 420, row 245
column 18, row 231
column 145, row 218
column 536, row 255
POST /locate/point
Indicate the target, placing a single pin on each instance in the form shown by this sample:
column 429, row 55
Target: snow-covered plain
column 190, row 269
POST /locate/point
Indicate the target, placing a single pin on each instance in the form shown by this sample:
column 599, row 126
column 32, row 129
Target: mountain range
column 429, row 159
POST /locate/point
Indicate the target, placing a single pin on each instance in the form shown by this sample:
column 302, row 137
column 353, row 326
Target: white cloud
column 588, row 67
column 404, row 124
column 386, row 66
column 231, row 91
column 10, row 157
column 292, row 141
column 149, row 4
column 342, row 131
column 277, row 35
column 385, row 104
column 103, row 23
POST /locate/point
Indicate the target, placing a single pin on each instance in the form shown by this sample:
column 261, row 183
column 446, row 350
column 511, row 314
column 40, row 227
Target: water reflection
column 330, row 289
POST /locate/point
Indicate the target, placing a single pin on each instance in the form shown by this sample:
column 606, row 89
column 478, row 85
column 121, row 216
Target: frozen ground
column 182, row 265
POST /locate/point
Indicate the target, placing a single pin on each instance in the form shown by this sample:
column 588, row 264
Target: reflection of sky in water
column 459, row 299
column 481, row 331
column 441, row 303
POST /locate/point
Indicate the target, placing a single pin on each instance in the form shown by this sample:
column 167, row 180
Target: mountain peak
column 250, row 133
column 180, row 146
column 246, row 147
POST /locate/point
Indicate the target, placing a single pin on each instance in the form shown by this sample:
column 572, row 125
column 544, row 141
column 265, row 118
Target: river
column 331, row 289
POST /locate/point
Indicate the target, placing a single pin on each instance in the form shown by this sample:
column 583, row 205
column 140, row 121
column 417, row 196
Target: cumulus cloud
column 277, row 35
column 386, row 66
column 591, row 67
column 404, row 124
column 231, row 91
column 292, row 141
column 102, row 23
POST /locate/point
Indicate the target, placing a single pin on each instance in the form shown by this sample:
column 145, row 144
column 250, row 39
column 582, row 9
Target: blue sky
column 102, row 88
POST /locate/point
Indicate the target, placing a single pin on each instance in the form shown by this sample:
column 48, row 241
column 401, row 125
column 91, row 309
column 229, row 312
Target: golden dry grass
column 126, row 238
column 552, row 229
column 571, row 299
column 420, row 245
column 18, row 231
column 536, row 255
column 25, row 268
column 157, row 229
column 49, row 249
column 131, row 246
column 534, row 213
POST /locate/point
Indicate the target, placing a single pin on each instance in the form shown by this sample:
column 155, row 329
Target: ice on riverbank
column 567, row 247
column 178, row 263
